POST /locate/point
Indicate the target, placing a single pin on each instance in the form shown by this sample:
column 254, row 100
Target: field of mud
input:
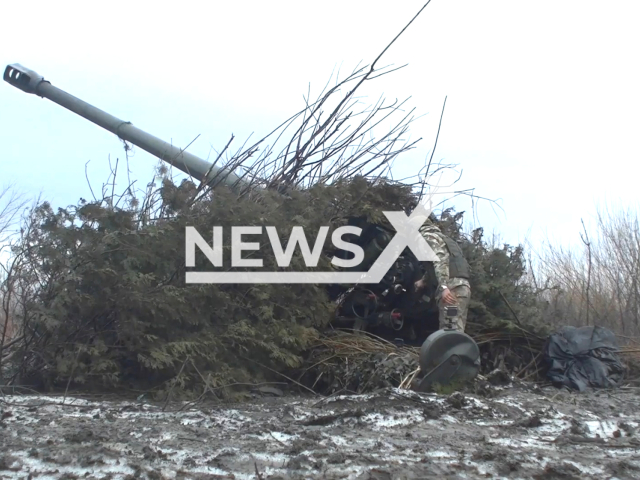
column 512, row 432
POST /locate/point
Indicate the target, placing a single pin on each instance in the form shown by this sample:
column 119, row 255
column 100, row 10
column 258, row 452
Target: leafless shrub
column 12, row 204
column 334, row 137
column 596, row 283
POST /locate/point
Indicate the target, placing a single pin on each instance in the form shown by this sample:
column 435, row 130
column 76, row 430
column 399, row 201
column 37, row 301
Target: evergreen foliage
column 498, row 281
column 112, row 309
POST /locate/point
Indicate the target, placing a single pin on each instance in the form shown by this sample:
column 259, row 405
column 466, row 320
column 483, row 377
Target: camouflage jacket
column 433, row 236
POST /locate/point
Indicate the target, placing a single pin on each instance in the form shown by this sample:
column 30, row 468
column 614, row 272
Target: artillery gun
column 446, row 356
column 31, row 82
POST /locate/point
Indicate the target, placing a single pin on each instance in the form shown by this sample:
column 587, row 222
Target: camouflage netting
column 105, row 305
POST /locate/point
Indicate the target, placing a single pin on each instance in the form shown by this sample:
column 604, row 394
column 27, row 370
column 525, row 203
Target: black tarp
column 583, row 357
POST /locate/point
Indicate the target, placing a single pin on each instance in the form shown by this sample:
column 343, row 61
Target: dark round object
column 456, row 347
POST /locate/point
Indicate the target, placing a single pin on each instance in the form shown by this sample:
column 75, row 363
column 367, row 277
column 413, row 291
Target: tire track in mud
column 516, row 432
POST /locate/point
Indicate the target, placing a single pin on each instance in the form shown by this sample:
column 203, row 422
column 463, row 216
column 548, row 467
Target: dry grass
column 343, row 347
column 346, row 343
column 349, row 346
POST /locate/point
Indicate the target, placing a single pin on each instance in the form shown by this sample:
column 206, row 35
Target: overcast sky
column 542, row 110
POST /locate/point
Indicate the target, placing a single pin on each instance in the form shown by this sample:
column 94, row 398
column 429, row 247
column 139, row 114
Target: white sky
column 542, row 110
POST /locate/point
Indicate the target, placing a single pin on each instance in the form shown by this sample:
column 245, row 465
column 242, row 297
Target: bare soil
column 518, row 431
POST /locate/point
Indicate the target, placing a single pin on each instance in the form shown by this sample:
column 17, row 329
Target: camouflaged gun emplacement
column 446, row 356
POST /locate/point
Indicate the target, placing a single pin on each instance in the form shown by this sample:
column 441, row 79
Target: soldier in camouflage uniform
column 452, row 271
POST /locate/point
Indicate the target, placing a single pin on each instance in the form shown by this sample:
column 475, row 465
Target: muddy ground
column 517, row 431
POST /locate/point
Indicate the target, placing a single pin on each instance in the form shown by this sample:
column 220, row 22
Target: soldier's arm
column 442, row 264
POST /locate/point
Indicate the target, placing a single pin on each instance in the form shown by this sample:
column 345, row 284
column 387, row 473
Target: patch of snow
column 278, row 436
column 41, row 469
column 552, row 427
column 340, row 441
column 440, row 454
column 386, row 421
column 602, row 428
column 449, row 418
column 587, row 469
column 511, row 403
column 274, row 459
column 475, row 404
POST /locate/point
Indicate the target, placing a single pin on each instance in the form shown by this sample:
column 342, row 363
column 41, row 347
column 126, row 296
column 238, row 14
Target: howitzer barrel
column 31, row 82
